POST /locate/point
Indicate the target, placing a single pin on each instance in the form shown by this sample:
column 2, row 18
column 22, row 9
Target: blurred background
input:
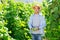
column 14, row 16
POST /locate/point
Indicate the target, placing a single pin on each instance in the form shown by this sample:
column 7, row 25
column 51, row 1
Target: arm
column 43, row 22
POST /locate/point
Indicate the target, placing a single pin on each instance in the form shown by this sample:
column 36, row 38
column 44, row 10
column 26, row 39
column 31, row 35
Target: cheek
column 36, row 9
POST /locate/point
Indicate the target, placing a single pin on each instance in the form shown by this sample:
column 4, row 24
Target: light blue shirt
column 37, row 20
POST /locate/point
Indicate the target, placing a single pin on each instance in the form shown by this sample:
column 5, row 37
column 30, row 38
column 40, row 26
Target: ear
column 38, row 7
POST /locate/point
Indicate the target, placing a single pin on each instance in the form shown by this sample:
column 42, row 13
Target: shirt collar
column 40, row 13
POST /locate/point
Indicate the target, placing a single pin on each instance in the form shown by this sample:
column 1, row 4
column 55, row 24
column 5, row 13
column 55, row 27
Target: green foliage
column 14, row 18
column 4, row 33
column 16, row 15
column 52, row 13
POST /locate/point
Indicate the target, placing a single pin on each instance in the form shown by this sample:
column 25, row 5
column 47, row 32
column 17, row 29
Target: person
column 37, row 23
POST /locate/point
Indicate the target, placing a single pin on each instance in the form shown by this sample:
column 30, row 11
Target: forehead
column 36, row 7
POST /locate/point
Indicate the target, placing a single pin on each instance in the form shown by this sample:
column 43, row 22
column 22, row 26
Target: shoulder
column 31, row 15
column 41, row 15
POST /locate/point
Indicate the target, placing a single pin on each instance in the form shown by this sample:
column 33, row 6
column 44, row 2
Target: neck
column 36, row 12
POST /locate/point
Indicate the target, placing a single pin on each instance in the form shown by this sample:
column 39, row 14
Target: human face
column 36, row 10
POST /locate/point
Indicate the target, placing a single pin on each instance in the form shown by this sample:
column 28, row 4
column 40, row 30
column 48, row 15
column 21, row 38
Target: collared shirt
column 37, row 20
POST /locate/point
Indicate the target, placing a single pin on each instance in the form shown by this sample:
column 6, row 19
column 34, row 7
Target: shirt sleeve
column 43, row 22
column 30, row 22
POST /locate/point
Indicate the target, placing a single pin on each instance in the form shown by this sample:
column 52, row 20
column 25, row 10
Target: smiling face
column 36, row 9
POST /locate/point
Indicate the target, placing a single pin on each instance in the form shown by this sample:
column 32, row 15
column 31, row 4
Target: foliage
column 52, row 12
column 4, row 33
column 14, row 18
column 16, row 15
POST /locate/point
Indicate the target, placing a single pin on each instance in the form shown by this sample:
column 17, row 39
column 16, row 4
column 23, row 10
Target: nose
column 36, row 9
